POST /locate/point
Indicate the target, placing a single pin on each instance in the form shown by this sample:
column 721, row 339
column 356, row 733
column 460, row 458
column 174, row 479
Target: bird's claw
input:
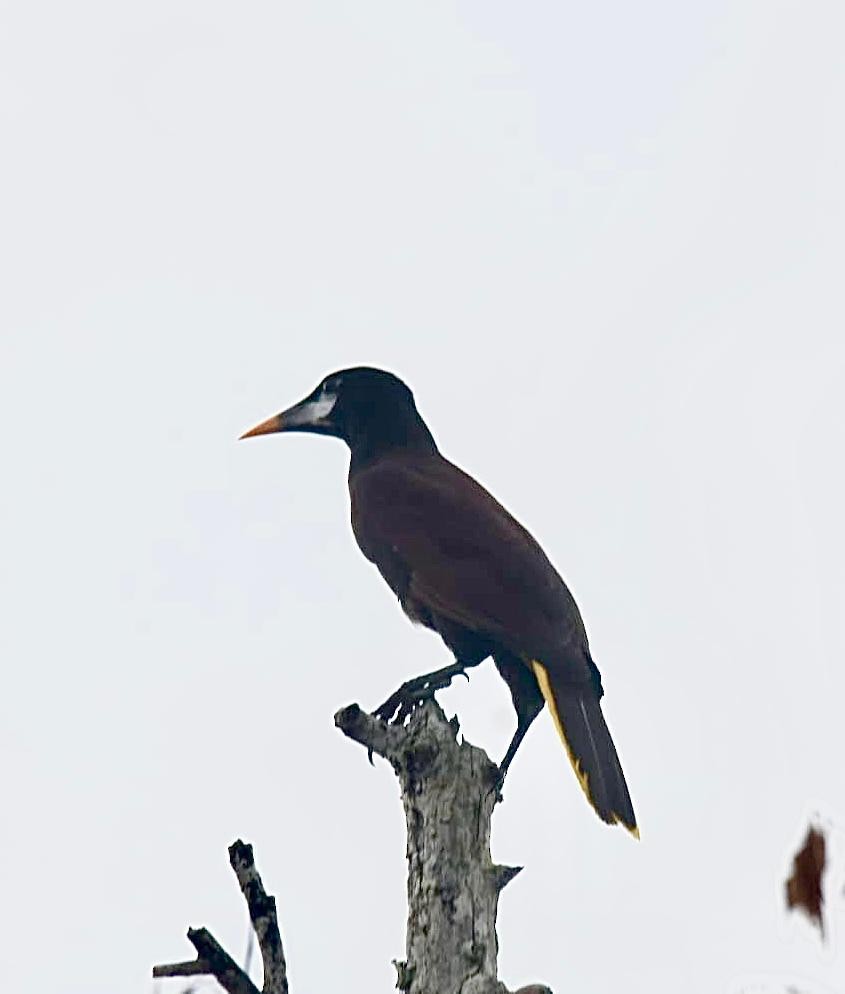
column 498, row 784
column 496, row 790
column 398, row 706
column 412, row 693
column 386, row 711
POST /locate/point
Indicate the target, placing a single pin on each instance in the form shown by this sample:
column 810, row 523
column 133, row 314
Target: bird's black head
column 370, row 409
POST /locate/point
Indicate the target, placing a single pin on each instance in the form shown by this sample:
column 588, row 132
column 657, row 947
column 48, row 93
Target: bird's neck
column 405, row 433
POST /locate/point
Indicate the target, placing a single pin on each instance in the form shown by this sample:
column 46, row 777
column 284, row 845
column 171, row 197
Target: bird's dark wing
column 446, row 546
column 450, row 551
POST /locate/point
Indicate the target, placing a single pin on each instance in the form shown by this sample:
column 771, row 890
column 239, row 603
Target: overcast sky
column 604, row 245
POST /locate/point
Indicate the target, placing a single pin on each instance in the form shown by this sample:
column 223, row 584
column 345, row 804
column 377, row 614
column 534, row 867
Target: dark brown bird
column 461, row 565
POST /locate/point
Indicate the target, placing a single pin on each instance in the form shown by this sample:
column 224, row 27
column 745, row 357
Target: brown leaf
column 804, row 886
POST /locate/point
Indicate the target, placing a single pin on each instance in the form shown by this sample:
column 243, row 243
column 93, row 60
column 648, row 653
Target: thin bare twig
column 262, row 912
column 213, row 960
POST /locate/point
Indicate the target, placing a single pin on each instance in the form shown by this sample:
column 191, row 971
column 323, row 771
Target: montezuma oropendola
column 461, row 565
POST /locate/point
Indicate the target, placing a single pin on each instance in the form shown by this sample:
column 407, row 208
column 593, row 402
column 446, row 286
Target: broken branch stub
column 448, row 793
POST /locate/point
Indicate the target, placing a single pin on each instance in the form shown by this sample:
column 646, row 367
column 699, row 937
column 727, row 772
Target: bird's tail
column 577, row 716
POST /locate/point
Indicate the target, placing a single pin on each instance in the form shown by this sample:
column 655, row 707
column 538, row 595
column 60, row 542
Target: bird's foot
column 496, row 787
column 400, row 704
column 412, row 693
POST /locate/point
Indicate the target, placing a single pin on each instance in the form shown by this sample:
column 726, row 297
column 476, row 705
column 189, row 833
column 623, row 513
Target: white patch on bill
column 313, row 411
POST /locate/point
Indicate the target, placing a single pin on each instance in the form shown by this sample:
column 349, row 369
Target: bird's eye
column 331, row 385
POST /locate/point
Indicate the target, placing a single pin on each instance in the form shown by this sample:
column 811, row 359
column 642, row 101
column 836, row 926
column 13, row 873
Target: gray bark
column 448, row 792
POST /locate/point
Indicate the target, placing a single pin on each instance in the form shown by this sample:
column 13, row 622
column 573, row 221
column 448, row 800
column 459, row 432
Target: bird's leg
column 421, row 688
column 528, row 702
column 516, row 742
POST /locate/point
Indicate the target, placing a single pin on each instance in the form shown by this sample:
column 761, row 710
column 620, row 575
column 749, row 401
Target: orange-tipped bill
column 276, row 423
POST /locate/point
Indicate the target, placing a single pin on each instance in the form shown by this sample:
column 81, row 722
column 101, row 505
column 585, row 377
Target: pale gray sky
column 604, row 244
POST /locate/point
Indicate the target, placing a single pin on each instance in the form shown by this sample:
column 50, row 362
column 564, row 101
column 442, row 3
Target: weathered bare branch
column 448, row 792
column 385, row 740
column 213, row 960
column 190, row 968
column 262, row 912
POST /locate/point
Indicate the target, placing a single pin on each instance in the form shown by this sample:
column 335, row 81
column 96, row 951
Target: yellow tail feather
column 542, row 675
